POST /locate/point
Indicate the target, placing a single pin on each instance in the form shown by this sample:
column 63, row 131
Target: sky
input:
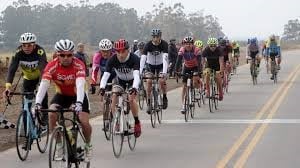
column 239, row 19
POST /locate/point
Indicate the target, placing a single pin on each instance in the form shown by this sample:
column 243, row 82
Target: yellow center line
column 244, row 157
column 222, row 163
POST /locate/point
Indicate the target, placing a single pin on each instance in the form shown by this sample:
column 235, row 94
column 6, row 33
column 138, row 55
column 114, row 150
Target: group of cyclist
column 123, row 66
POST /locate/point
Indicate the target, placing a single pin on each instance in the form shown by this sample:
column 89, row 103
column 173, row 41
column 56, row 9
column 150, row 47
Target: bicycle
column 29, row 128
column 156, row 100
column 189, row 99
column 70, row 141
column 234, row 63
column 253, row 71
column 225, row 83
column 213, row 98
column 123, row 122
column 274, row 69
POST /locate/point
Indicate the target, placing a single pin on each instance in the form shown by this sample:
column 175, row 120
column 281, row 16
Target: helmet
column 64, row 45
column 198, row 43
column 135, row 41
column 253, row 41
column 220, row 39
column 141, row 44
column 121, row 44
column 272, row 37
column 156, row 32
column 105, row 45
column 212, row 41
column 233, row 42
column 188, row 39
column 27, row 38
column 222, row 42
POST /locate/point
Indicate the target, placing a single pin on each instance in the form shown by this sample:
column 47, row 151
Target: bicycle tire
column 58, row 132
column 42, row 136
column 192, row 104
column 20, row 126
column 107, row 118
column 160, row 106
column 131, row 137
column 153, row 104
column 142, row 99
column 186, row 105
column 117, row 133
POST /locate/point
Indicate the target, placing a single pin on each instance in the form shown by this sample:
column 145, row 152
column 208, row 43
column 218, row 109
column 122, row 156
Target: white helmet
column 135, row 41
column 64, row 45
column 105, row 45
column 27, row 38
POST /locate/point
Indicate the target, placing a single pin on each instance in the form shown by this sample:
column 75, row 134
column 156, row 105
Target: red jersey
column 64, row 77
column 191, row 58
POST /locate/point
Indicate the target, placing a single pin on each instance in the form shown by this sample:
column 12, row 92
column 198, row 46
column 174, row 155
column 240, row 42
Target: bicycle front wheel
column 160, row 106
column 23, row 137
column 117, row 138
column 130, row 127
column 187, row 106
column 107, row 119
column 142, row 95
column 192, row 103
column 42, row 136
column 58, row 150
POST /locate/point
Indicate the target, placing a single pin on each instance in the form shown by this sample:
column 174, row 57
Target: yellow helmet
column 198, row 43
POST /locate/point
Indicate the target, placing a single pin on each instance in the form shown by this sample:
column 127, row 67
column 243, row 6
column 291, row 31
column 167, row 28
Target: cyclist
column 226, row 51
column 213, row 61
column 68, row 74
column 172, row 54
column 126, row 65
column 236, row 51
column 134, row 46
column 80, row 54
column 199, row 44
column 32, row 59
column 156, row 55
column 140, row 50
column 99, row 62
column 274, row 51
column 252, row 51
column 191, row 56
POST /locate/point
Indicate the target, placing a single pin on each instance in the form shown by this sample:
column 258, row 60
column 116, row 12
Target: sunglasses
column 155, row 36
column 27, row 45
column 65, row 55
column 212, row 46
column 121, row 51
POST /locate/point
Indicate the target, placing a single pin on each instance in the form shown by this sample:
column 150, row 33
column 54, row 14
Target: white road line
column 218, row 121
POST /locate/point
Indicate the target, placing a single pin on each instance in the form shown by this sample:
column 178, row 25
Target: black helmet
column 156, row 32
column 141, row 45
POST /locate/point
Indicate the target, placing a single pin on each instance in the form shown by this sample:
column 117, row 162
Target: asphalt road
column 255, row 127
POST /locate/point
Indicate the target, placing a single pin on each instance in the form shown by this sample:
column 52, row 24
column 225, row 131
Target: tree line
column 90, row 23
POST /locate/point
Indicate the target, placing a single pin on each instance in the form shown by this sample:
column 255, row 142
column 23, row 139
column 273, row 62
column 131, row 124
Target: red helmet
column 121, row 44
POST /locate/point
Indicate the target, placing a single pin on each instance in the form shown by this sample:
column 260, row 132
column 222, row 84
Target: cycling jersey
column 212, row 57
column 98, row 63
column 31, row 64
column 225, row 52
column 126, row 71
column 64, row 77
column 155, row 55
column 236, row 49
column 273, row 49
column 191, row 58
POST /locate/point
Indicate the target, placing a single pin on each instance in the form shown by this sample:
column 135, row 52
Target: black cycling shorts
column 155, row 68
column 67, row 101
column 188, row 71
column 124, row 83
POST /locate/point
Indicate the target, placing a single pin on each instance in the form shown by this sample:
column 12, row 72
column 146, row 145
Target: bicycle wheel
column 153, row 104
column 42, row 136
column 199, row 100
column 117, row 138
column 107, row 118
column 58, row 150
column 23, row 137
column 187, row 105
column 215, row 97
column 142, row 96
column 212, row 96
column 130, row 127
column 192, row 104
column 160, row 105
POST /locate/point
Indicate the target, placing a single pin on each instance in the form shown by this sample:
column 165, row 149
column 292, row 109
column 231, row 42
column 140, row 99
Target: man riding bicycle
column 226, row 52
column 126, row 65
column 235, row 51
column 252, row 51
column 68, row 75
column 156, row 55
column 191, row 56
column 213, row 61
column 32, row 59
column 274, row 51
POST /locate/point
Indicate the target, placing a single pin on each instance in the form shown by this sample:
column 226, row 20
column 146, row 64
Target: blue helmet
column 253, row 40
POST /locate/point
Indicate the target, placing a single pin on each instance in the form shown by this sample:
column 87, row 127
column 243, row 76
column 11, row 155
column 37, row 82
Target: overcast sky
column 239, row 18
